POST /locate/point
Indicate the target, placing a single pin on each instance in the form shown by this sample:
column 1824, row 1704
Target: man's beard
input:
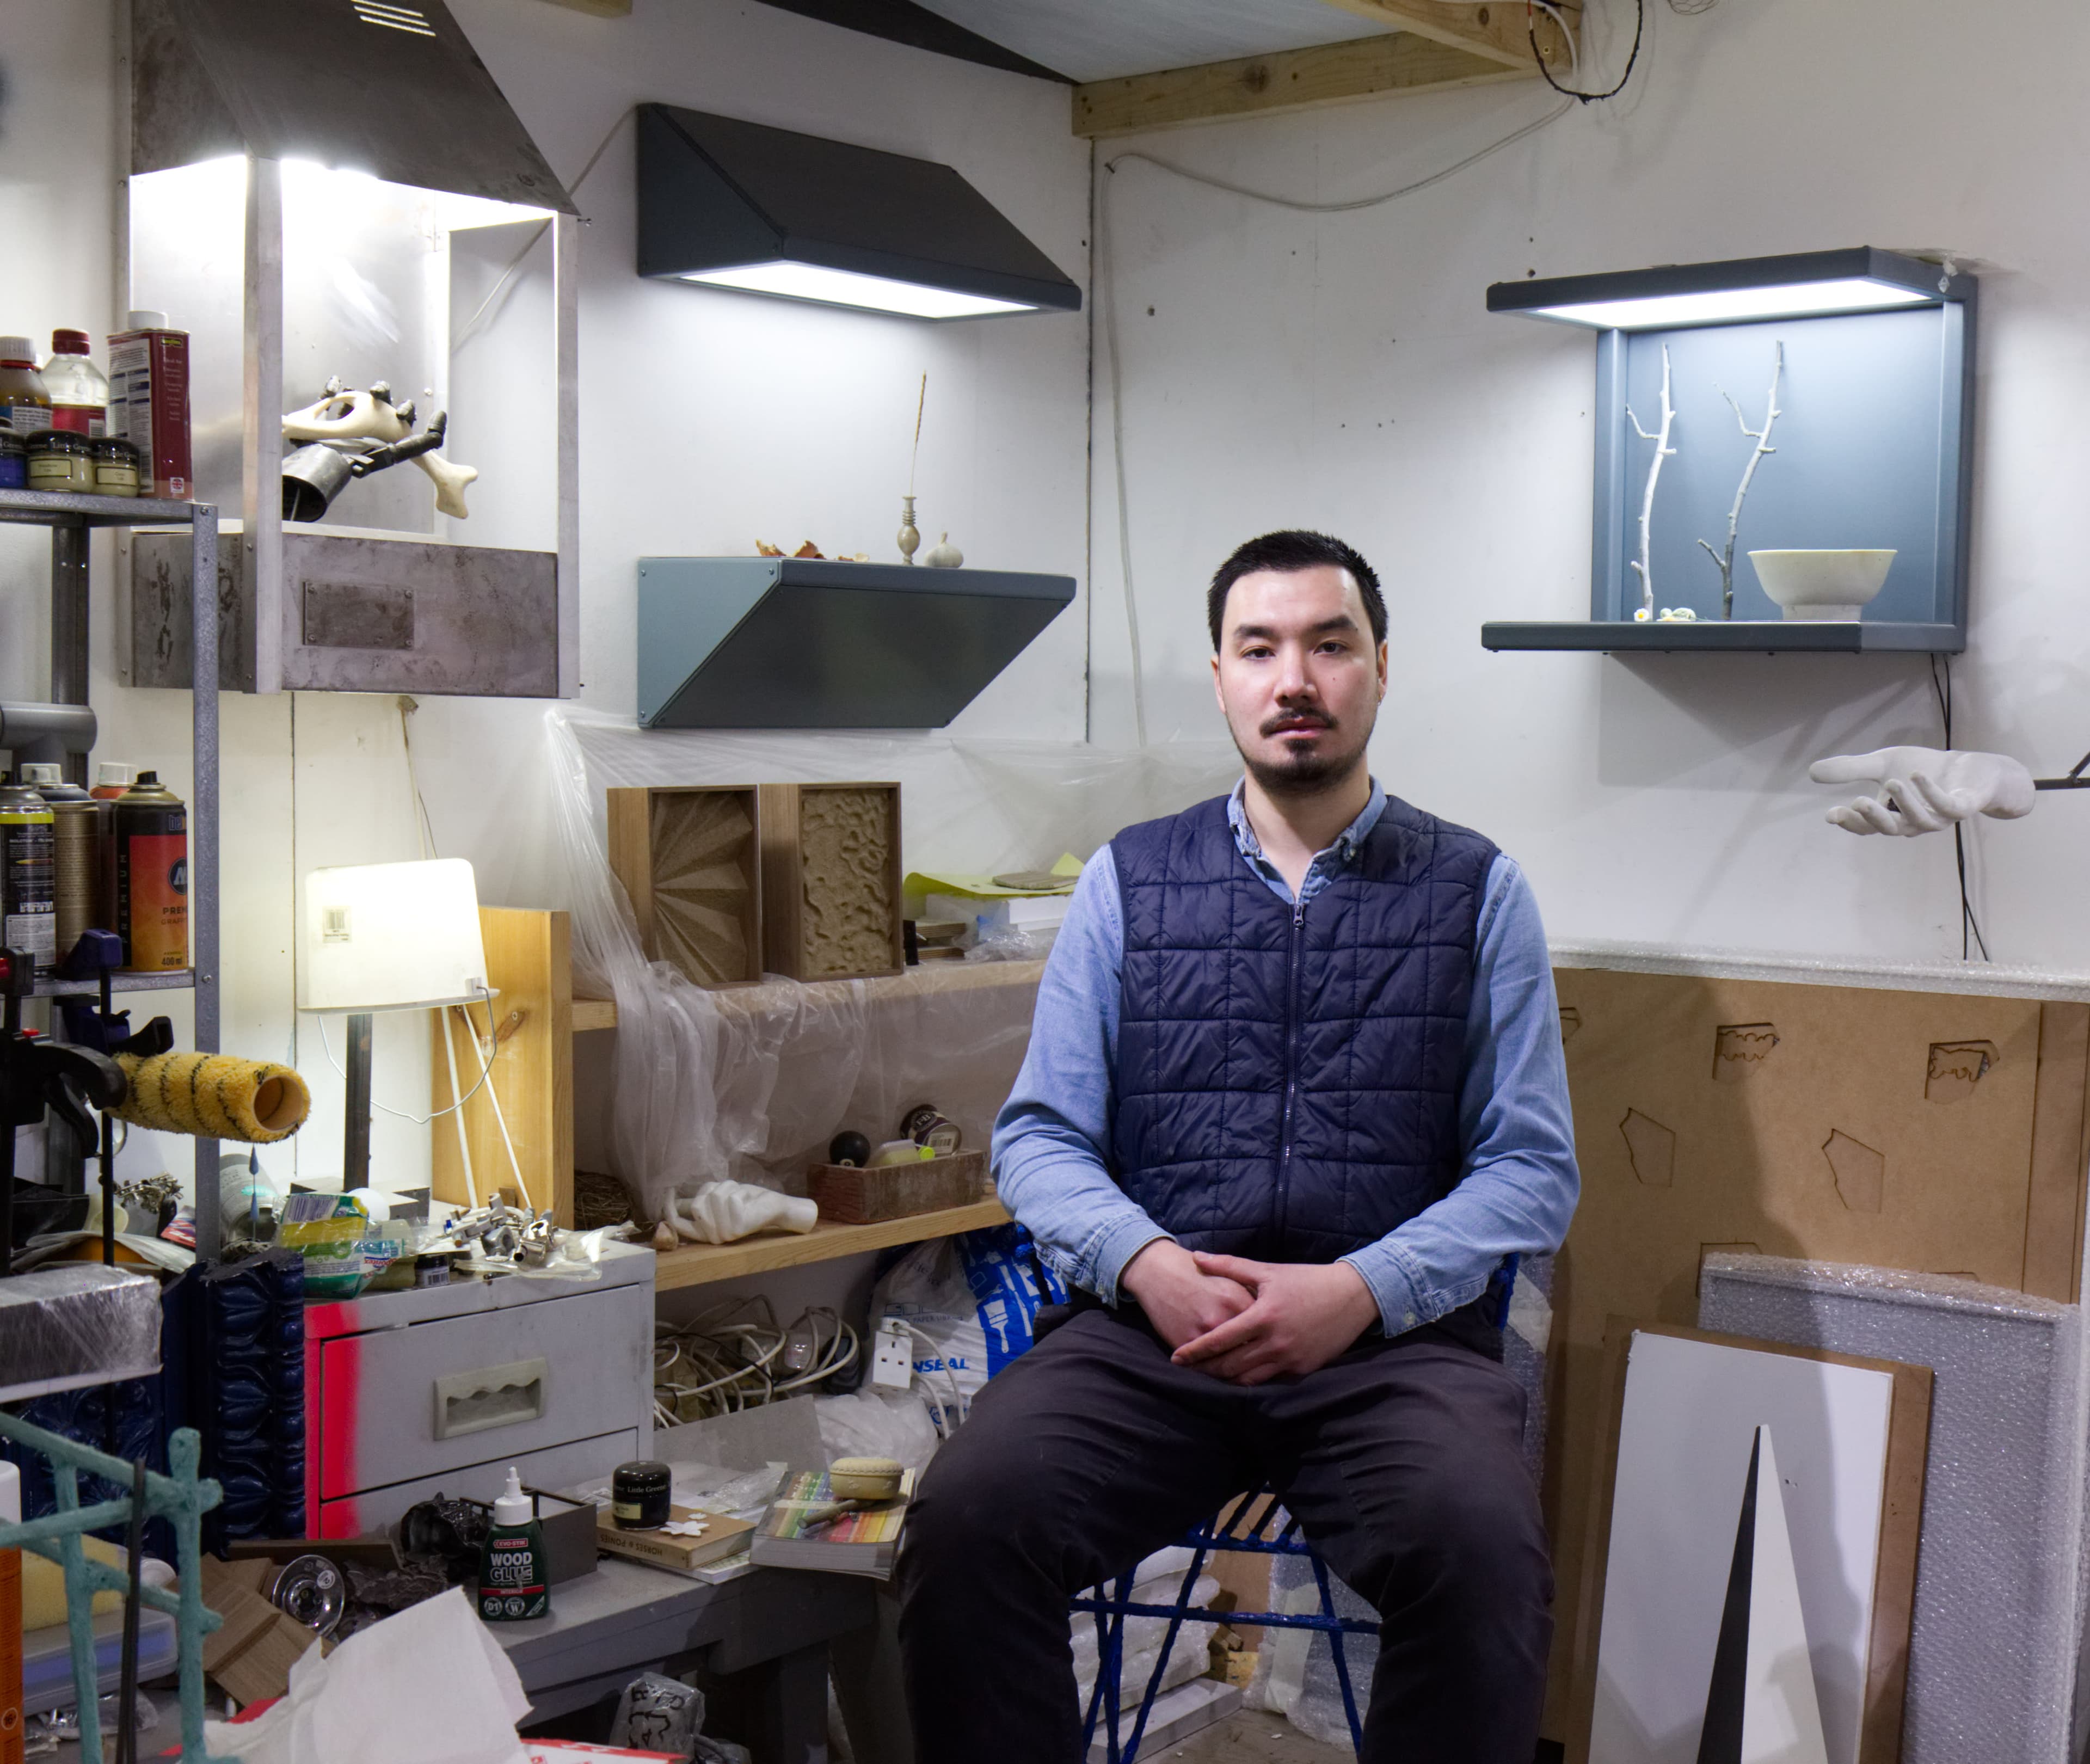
column 1306, row 773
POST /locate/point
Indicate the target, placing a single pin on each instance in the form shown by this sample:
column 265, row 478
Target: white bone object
column 724, row 1212
column 1924, row 790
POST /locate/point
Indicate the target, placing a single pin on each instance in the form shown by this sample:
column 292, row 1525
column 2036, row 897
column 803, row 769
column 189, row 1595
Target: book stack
column 691, row 1540
column 806, row 1528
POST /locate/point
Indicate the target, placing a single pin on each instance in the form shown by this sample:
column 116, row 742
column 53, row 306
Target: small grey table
column 626, row 1618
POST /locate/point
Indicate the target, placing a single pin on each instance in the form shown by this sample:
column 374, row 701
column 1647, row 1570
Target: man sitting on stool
column 1294, row 1094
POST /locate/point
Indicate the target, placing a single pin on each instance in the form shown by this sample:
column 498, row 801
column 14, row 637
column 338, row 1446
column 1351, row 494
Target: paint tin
column 152, row 876
column 29, row 910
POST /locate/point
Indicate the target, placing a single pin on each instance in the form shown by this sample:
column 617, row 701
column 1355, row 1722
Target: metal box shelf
column 1873, row 446
column 795, row 643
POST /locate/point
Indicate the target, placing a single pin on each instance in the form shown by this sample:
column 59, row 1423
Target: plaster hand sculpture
column 1925, row 790
column 370, row 433
column 724, row 1213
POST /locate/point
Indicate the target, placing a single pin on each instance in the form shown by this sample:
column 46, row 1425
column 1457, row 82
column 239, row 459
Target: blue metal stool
column 1247, row 1529
column 1236, row 1533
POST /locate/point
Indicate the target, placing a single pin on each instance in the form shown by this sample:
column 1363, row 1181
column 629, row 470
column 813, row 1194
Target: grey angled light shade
column 740, row 205
column 392, row 90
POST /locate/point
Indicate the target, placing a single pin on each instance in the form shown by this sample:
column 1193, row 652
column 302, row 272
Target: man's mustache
column 1298, row 720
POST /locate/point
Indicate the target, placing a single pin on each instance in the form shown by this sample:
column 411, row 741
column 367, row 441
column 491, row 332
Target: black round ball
column 849, row 1148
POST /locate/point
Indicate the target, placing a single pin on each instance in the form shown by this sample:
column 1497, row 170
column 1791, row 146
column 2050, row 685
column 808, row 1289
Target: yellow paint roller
column 215, row 1096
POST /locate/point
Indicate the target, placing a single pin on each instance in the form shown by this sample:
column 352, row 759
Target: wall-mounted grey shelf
column 794, row 642
column 1873, row 446
column 1847, row 637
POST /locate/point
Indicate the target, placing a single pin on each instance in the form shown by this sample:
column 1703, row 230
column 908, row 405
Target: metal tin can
column 28, row 907
column 152, row 876
column 928, row 1125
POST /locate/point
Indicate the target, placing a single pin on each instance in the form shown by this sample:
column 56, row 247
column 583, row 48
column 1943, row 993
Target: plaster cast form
column 1924, row 790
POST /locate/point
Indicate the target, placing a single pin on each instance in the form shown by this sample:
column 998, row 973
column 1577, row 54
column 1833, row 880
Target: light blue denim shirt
column 1518, row 1183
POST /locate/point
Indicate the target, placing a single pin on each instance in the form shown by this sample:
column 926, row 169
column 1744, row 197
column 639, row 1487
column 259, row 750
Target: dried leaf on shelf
column 809, row 549
column 764, row 549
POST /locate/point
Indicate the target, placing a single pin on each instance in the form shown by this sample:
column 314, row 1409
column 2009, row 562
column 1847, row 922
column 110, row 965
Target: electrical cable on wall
column 1968, row 922
column 1633, row 56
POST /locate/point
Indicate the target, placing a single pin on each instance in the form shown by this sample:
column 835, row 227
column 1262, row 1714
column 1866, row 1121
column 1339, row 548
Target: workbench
column 625, row 1618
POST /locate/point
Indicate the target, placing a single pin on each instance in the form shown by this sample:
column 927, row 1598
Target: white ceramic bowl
column 1821, row 584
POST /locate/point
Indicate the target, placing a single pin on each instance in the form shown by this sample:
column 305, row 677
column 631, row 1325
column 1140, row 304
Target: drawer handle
column 492, row 1397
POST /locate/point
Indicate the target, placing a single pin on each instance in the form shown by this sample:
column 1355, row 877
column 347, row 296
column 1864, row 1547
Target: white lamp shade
column 391, row 937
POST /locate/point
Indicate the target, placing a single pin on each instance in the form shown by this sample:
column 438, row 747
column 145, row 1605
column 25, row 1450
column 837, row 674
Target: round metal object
column 311, row 1590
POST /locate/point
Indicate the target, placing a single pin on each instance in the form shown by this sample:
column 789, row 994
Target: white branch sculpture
column 1644, row 564
column 1761, row 437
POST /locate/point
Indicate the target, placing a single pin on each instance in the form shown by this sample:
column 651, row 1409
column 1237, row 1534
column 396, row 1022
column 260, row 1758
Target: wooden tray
column 848, row 1196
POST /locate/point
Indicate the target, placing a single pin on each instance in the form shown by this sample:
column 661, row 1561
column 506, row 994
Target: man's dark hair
column 1288, row 552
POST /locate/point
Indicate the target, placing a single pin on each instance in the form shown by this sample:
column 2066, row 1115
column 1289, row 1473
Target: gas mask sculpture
column 346, row 435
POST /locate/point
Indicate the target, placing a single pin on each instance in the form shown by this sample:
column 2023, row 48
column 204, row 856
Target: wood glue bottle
column 514, row 1585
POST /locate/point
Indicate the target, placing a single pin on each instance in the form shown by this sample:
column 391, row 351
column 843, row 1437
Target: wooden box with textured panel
column 690, row 858
column 831, row 907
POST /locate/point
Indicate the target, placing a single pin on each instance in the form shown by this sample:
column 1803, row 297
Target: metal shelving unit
column 55, row 730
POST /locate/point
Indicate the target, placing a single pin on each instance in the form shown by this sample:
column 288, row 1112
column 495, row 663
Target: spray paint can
column 152, row 876
column 77, row 863
column 28, row 915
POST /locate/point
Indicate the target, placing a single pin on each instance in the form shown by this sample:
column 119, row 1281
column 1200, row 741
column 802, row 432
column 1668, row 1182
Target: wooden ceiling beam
column 1498, row 30
column 1291, row 79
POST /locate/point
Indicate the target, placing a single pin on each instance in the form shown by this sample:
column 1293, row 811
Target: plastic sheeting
column 1991, row 1656
column 78, row 1324
column 750, row 1084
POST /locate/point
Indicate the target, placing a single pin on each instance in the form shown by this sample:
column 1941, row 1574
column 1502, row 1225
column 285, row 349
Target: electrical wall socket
column 892, row 1363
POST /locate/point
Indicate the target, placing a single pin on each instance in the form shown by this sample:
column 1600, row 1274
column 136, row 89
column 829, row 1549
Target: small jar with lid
column 14, row 462
column 115, row 467
column 60, row 459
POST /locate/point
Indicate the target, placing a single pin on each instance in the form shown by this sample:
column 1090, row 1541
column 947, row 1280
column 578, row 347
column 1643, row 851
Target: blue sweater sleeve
column 1052, row 1137
column 1518, row 1182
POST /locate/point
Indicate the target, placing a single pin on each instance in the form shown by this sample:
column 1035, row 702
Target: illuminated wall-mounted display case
column 1869, row 358
column 387, row 222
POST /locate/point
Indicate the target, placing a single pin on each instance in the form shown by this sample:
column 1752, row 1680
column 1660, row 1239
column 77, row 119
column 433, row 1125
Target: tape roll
column 215, row 1096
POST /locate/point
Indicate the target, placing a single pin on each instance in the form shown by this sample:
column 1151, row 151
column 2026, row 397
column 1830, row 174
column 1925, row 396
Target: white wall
column 706, row 420
column 1340, row 371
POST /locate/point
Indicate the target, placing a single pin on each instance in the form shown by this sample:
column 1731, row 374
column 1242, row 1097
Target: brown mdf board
column 690, row 858
column 1901, row 1513
column 830, row 905
column 529, row 964
column 1941, row 1133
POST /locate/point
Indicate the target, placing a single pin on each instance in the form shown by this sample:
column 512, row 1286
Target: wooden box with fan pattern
column 689, row 857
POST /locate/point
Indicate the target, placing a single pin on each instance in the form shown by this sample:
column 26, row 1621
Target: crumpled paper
column 427, row 1686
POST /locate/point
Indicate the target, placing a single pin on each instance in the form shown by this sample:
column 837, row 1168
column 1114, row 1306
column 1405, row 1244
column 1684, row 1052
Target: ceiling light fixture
column 736, row 205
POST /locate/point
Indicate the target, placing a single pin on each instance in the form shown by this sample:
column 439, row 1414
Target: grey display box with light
column 1874, row 443
column 796, row 643
column 757, row 210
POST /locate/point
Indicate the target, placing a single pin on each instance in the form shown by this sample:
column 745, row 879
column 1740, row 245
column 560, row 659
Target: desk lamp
column 387, row 937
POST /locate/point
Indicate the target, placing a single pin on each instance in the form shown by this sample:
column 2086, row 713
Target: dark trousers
column 1401, row 1460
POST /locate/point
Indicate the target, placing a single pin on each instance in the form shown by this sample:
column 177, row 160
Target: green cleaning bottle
column 512, row 1582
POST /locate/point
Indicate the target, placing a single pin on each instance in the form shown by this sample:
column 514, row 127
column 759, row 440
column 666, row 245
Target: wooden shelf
column 702, row 1263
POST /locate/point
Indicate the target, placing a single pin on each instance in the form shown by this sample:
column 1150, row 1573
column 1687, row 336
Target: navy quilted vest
column 1287, row 1083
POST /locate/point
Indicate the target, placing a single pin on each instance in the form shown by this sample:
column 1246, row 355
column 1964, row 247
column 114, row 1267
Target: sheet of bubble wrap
column 1992, row 1652
column 76, row 1323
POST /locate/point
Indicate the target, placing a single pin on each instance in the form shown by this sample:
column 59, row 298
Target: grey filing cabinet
column 410, row 1394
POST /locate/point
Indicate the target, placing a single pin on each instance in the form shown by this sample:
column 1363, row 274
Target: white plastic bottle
column 79, row 390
